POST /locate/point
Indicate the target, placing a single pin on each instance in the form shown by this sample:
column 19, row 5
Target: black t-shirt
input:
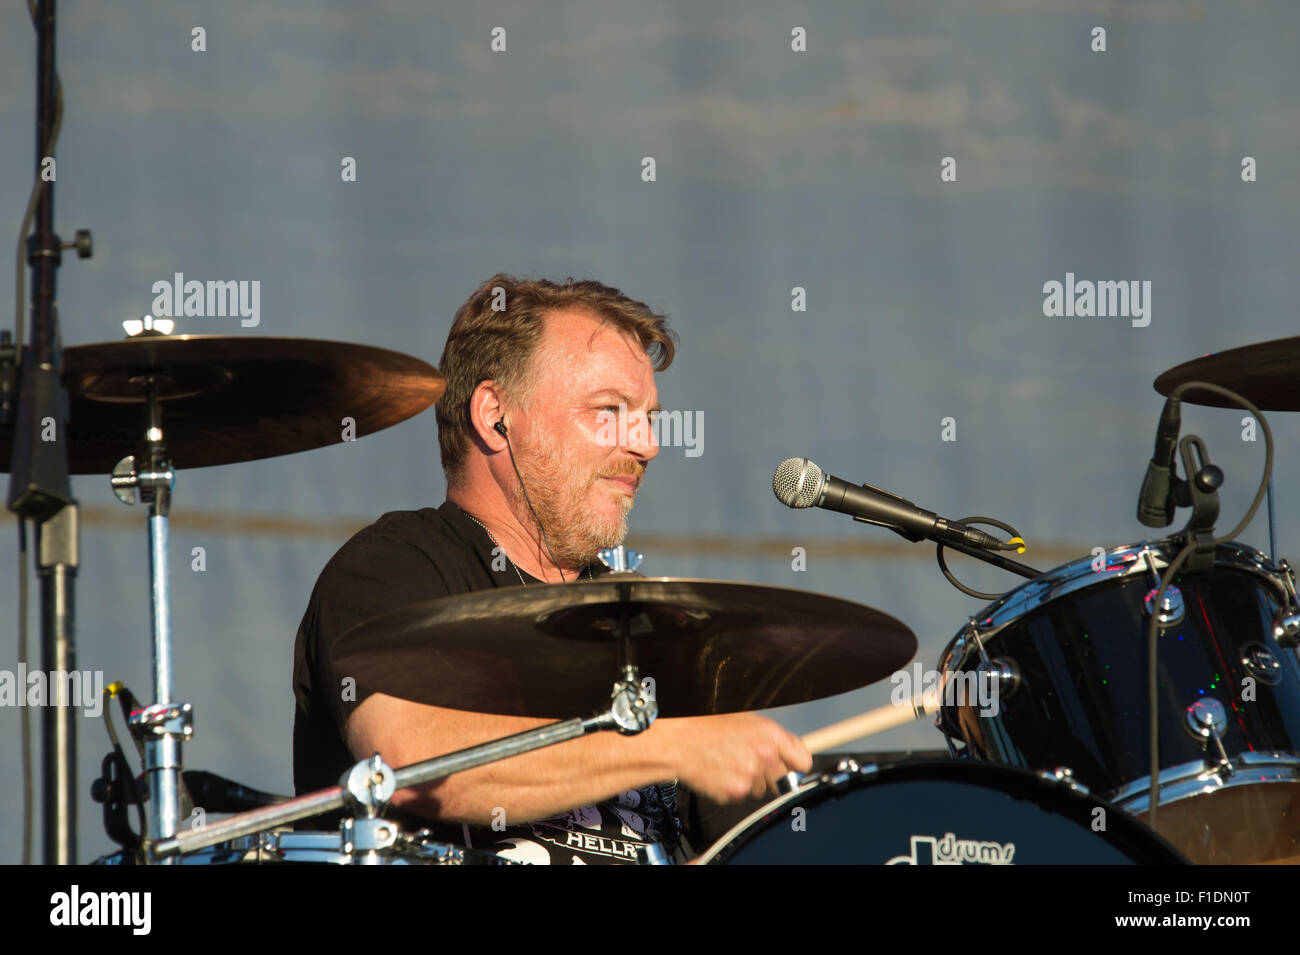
column 407, row 557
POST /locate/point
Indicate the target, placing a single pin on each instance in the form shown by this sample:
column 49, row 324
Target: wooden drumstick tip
column 872, row 722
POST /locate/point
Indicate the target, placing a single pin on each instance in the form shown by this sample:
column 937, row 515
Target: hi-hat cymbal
column 1267, row 374
column 226, row 399
column 549, row 650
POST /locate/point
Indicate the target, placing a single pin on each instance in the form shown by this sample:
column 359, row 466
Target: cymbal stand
column 165, row 724
column 367, row 786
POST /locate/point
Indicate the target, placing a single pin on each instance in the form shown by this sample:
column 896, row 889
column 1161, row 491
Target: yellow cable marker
column 1021, row 541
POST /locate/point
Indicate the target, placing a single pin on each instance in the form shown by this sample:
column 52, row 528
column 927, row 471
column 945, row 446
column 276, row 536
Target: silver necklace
column 518, row 573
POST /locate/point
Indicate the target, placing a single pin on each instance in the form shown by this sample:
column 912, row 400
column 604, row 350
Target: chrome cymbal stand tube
column 1272, row 525
column 368, row 785
column 165, row 724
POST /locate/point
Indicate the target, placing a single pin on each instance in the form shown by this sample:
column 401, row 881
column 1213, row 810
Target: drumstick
column 871, row 722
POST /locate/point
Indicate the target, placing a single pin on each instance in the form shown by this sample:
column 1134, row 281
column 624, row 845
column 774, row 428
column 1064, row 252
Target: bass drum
column 942, row 812
column 1068, row 652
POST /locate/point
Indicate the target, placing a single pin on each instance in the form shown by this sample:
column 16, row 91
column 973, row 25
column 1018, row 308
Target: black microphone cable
column 1016, row 543
column 1153, row 628
column 502, row 430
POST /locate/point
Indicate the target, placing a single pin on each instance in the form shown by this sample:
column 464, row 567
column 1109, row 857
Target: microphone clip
column 1200, row 492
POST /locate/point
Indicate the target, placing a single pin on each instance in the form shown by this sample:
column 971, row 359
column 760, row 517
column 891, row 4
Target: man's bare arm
column 725, row 758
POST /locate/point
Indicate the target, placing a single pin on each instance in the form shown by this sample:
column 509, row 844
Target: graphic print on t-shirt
column 611, row 832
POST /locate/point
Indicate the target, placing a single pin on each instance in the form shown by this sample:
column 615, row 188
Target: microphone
column 218, row 794
column 799, row 482
column 1154, row 505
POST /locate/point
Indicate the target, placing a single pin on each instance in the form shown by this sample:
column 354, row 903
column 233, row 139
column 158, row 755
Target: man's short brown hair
column 497, row 330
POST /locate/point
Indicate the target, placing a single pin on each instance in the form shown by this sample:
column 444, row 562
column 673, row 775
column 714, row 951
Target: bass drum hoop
column 1122, row 830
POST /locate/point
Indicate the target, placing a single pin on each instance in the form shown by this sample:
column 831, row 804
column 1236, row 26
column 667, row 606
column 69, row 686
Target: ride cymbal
column 551, row 650
column 1267, row 374
column 226, row 399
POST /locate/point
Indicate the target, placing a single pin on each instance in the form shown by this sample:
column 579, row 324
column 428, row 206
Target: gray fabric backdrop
column 775, row 169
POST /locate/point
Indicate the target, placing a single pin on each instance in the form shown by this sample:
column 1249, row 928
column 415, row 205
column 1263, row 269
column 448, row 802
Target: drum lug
column 1286, row 627
column 1064, row 776
column 1005, row 670
column 789, row 783
column 1205, row 716
column 1286, row 622
column 1204, row 720
column 845, row 771
column 1171, row 607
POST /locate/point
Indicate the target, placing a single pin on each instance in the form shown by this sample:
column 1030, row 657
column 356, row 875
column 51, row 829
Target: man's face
column 580, row 481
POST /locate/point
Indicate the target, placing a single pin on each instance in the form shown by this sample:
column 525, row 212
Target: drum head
column 939, row 813
column 1242, row 824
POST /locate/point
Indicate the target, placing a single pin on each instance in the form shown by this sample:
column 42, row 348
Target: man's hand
column 736, row 756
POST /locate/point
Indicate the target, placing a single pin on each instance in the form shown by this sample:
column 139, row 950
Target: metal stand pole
column 56, row 546
column 1272, row 525
column 165, row 724
column 38, row 485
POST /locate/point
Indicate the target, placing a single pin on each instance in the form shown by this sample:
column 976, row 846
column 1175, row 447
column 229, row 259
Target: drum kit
column 1059, row 771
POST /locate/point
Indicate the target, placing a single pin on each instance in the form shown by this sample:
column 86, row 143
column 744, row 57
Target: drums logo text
column 927, row 850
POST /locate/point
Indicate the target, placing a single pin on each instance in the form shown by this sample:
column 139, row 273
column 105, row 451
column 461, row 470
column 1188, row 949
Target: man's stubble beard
column 559, row 490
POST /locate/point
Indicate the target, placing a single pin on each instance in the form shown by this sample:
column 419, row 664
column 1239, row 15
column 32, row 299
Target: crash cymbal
column 226, row 399
column 549, row 650
column 1267, row 374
